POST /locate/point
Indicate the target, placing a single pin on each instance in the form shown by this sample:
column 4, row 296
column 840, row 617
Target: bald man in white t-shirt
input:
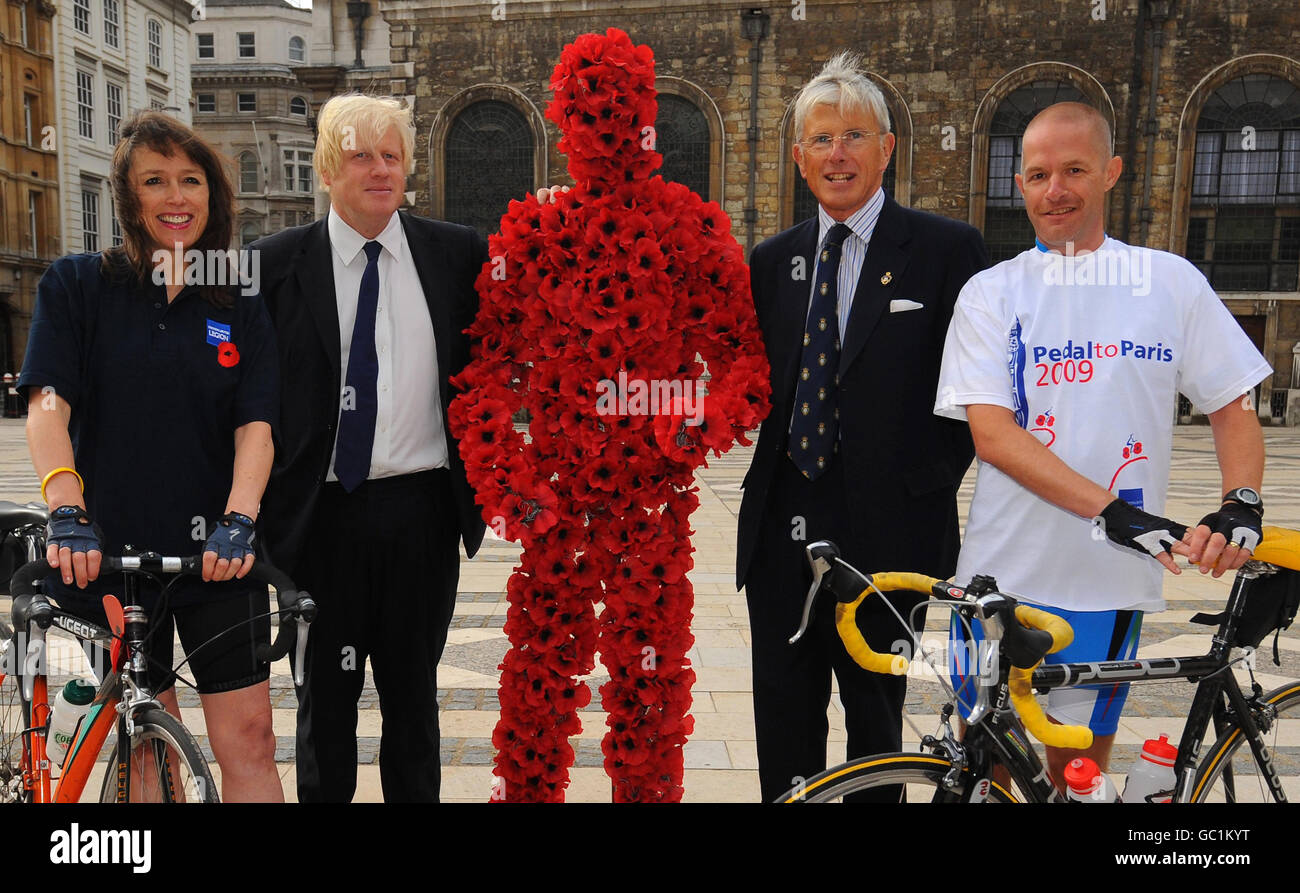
column 1066, row 361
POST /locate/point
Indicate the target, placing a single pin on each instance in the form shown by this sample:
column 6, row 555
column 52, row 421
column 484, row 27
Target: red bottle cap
column 1159, row 751
column 1081, row 775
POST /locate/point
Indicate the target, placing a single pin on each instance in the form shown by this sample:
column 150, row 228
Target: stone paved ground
column 720, row 758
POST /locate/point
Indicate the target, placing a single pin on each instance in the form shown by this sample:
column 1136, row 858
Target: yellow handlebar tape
column 1022, row 693
column 846, row 622
column 1279, row 546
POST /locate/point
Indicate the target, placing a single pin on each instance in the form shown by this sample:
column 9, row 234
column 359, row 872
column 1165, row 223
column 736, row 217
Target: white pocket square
column 902, row 304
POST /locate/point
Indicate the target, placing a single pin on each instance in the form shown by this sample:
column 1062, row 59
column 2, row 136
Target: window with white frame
column 247, row 102
column 155, row 43
column 81, row 15
column 86, row 104
column 297, row 170
column 29, row 105
column 23, row 35
column 117, row 224
column 297, row 49
column 247, row 43
column 89, row 217
column 207, row 102
column 113, row 108
column 112, row 24
column 207, row 46
column 298, row 106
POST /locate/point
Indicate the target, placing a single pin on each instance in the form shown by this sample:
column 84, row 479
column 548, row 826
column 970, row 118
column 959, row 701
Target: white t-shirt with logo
column 1090, row 353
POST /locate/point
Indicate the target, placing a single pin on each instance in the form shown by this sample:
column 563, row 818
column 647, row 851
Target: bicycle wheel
column 1229, row 773
column 13, row 720
column 920, row 774
column 164, row 765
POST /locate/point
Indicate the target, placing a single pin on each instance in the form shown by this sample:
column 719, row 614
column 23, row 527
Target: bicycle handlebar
column 1028, row 633
column 1021, row 690
column 289, row 600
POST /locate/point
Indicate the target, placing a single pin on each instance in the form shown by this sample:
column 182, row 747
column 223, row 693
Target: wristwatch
column 1248, row 497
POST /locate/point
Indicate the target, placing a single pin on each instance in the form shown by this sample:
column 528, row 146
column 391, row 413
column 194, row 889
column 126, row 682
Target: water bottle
column 1152, row 780
column 1085, row 783
column 72, row 703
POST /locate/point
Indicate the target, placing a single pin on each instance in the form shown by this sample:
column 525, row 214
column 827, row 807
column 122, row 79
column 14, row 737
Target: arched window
column 248, row 173
column 298, row 106
column 297, row 49
column 682, row 137
column 1007, row 230
column 489, row 162
column 1244, row 227
column 249, row 232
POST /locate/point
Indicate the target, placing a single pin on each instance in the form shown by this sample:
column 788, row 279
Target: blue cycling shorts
column 1098, row 636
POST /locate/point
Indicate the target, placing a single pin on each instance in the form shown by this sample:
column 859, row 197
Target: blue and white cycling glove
column 70, row 527
column 1131, row 527
column 232, row 537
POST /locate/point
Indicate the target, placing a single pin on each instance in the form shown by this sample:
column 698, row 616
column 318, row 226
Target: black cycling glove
column 70, row 527
column 1130, row 526
column 1238, row 523
column 232, row 537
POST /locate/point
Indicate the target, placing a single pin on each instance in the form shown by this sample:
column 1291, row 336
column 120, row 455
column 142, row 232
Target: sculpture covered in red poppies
column 599, row 314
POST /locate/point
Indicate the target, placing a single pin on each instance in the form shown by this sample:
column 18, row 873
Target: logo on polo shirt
column 218, row 333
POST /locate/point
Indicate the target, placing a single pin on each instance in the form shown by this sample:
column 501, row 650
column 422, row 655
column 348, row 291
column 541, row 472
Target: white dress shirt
column 409, row 434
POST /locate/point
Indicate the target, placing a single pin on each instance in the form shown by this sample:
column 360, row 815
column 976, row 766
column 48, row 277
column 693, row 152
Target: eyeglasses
column 823, row 143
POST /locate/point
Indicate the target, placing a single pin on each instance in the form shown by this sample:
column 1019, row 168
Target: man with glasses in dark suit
column 854, row 305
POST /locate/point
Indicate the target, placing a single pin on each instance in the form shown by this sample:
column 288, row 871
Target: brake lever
column 300, row 653
column 816, row 554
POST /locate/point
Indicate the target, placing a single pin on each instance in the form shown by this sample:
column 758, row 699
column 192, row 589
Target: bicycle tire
column 13, row 720
column 157, row 732
column 1232, row 749
column 919, row 772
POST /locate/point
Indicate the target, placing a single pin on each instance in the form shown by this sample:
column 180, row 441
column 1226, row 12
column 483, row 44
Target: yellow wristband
column 45, row 481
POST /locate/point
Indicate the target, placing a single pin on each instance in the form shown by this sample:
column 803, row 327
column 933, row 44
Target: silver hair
column 841, row 83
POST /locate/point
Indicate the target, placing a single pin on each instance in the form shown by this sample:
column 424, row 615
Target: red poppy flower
column 227, row 354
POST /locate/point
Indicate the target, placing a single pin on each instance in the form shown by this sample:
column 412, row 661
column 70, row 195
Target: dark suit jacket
column 298, row 287
column 902, row 463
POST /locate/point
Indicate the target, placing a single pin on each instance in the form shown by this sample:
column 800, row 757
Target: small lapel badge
column 887, row 278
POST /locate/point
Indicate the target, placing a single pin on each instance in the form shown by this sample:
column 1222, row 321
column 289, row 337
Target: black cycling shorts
column 227, row 664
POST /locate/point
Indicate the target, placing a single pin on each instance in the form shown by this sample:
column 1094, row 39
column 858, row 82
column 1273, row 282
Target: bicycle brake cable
column 225, row 632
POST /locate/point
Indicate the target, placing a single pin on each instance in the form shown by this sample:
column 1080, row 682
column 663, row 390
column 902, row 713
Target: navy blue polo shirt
column 156, row 390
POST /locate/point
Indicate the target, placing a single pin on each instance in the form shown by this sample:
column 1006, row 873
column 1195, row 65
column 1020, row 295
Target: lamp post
column 754, row 23
column 358, row 12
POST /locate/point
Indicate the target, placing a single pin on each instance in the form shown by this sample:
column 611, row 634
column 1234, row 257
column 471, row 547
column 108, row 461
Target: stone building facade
column 349, row 53
column 1204, row 100
column 111, row 58
column 29, row 168
column 249, row 102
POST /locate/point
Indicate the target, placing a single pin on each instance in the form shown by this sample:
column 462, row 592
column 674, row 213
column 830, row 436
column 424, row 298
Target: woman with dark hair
column 153, row 388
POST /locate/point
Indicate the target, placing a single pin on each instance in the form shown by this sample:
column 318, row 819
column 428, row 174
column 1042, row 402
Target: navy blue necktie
column 815, row 426
column 360, row 404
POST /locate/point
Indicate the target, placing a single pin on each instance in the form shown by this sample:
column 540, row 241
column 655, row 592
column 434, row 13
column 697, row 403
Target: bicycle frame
column 93, row 732
column 125, row 690
column 989, row 726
